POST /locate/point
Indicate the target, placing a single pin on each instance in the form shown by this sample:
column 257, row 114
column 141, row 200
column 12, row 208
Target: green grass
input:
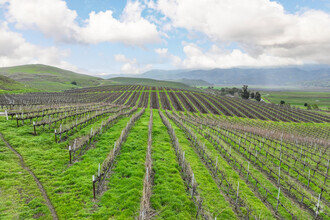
column 322, row 99
column 8, row 85
column 69, row 188
column 20, row 197
column 169, row 198
column 149, row 82
column 293, row 207
column 208, row 189
column 48, row 78
column 259, row 209
column 123, row 197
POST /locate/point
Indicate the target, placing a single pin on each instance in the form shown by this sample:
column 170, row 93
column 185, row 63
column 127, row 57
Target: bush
column 282, row 102
column 74, row 83
column 258, row 96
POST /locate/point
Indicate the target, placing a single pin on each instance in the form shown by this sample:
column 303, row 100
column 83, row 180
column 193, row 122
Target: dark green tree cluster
column 258, row 96
column 245, row 94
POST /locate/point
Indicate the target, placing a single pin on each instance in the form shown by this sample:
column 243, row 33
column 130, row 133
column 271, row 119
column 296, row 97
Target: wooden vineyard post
column 216, row 165
column 17, row 120
column 279, row 175
column 22, row 119
column 192, row 186
column 55, row 136
column 99, row 171
column 326, row 175
column 247, row 176
column 237, row 193
column 183, row 160
column 317, row 206
column 93, row 186
column 278, row 198
column 60, row 131
column 34, row 128
column 309, row 175
column 6, row 113
column 70, row 153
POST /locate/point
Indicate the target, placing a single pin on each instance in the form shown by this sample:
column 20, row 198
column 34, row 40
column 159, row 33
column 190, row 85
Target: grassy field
column 149, row 82
column 322, row 99
column 295, row 96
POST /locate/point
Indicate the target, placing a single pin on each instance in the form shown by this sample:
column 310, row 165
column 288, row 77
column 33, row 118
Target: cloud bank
column 55, row 20
column 265, row 33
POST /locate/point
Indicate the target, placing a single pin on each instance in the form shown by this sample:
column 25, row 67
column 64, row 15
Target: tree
column 74, row 83
column 258, row 96
column 282, row 102
column 245, row 92
column 306, row 104
column 252, row 95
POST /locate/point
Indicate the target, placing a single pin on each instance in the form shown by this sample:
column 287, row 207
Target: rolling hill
column 8, row 85
column 148, row 82
column 50, row 78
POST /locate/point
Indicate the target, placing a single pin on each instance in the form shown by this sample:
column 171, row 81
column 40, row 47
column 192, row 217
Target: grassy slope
column 149, row 82
column 169, row 198
column 50, row 78
column 20, row 197
column 8, row 85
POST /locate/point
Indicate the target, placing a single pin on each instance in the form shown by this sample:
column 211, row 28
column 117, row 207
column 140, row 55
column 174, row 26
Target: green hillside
column 8, row 85
column 193, row 82
column 148, row 82
column 50, row 78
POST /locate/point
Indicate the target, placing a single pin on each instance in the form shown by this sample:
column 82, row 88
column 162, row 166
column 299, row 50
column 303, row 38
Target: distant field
column 290, row 88
column 295, row 96
column 322, row 99
column 149, row 82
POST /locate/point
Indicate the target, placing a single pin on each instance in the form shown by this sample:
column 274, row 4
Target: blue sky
column 101, row 37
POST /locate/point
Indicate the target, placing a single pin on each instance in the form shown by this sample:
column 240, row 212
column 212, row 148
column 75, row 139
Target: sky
column 100, row 37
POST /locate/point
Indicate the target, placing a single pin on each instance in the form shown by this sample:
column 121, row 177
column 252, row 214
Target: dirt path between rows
column 41, row 188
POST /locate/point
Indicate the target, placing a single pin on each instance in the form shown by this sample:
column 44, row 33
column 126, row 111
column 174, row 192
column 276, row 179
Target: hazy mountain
column 302, row 75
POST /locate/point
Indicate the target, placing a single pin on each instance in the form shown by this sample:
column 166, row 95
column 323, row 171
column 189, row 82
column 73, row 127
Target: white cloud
column 216, row 57
column 14, row 50
column 262, row 27
column 163, row 53
column 54, row 19
column 131, row 66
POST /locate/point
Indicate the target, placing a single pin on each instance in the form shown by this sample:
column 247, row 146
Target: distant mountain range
column 47, row 78
column 315, row 76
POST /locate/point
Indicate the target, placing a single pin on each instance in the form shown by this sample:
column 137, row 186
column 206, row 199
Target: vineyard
column 143, row 152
